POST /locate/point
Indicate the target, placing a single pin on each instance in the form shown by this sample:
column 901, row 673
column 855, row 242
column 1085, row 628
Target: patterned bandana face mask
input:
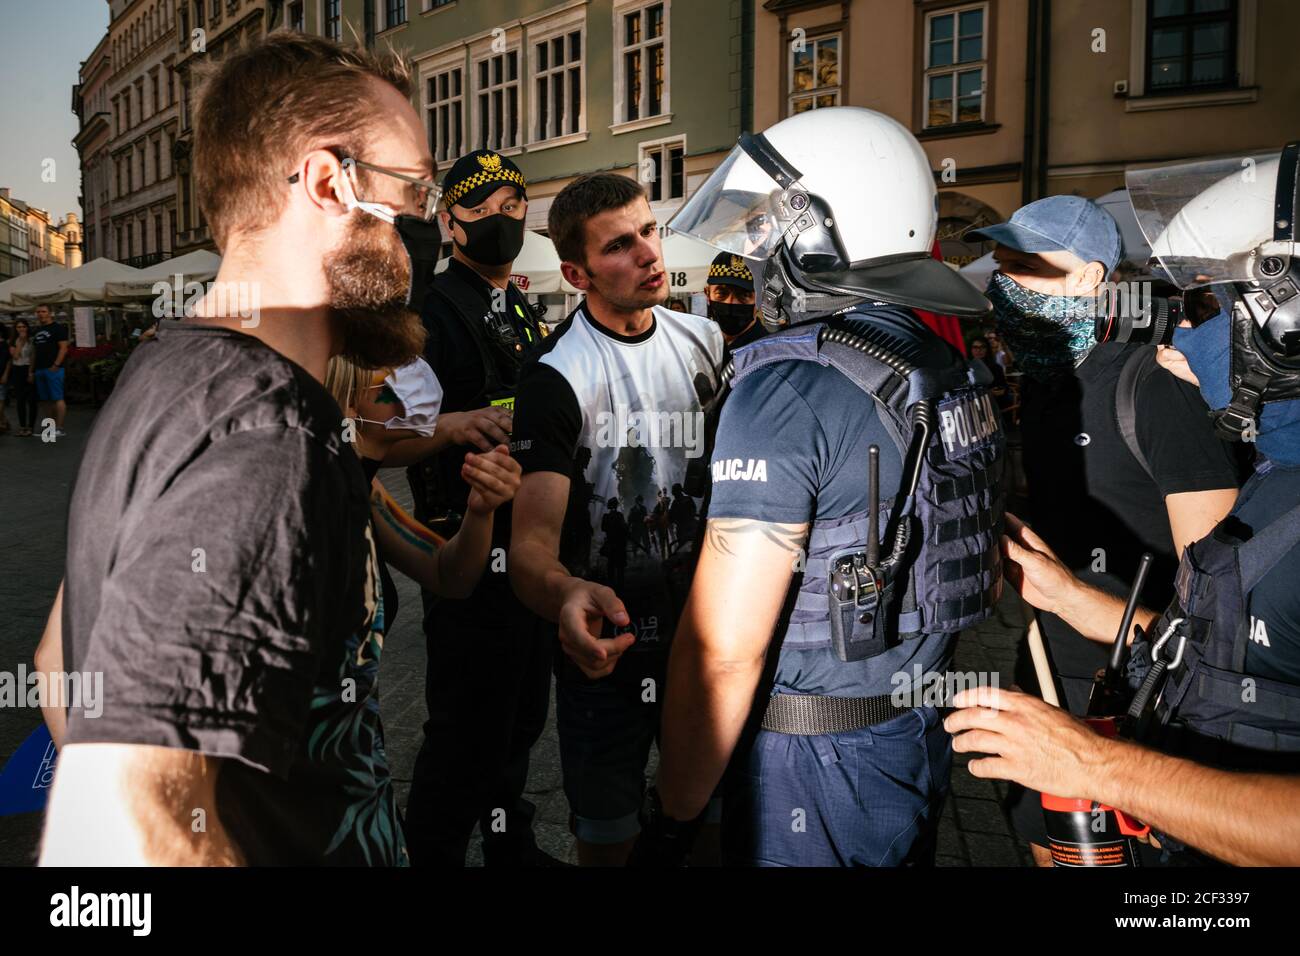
column 1047, row 334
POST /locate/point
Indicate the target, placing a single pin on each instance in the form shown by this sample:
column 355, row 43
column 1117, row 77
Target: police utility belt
column 923, row 563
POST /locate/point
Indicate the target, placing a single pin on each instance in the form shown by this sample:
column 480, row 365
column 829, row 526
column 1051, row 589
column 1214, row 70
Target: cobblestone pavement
column 35, row 480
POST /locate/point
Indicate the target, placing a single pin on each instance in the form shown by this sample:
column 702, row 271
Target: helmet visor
column 1212, row 221
column 741, row 209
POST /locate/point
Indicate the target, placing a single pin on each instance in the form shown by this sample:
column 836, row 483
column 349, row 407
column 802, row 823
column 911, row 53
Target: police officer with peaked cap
column 730, row 291
column 818, row 618
column 488, row 679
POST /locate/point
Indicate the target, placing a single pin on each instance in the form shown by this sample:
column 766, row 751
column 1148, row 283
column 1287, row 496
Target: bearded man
column 220, row 568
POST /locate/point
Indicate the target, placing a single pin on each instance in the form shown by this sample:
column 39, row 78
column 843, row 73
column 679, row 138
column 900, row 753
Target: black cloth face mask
column 732, row 317
column 423, row 242
column 493, row 240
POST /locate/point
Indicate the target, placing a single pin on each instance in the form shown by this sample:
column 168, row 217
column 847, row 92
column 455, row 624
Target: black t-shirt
column 621, row 417
column 221, row 573
column 45, row 342
column 811, row 428
column 1089, row 497
column 1274, row 603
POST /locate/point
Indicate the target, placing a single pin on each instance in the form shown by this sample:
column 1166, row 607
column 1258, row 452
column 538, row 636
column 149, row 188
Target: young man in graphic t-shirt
column 613, row 401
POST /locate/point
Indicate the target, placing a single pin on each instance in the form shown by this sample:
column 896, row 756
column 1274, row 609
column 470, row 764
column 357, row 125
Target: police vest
column 1210, row 709
column 438, row 490
column 949, row 576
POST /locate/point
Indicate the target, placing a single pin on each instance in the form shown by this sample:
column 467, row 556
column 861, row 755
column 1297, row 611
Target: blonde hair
column 345, row 380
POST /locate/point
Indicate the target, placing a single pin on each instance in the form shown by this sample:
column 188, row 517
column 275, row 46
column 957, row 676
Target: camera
column 1121, row 318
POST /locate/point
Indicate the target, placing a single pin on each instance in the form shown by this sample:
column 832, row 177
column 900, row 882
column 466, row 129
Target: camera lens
column 1153, row 324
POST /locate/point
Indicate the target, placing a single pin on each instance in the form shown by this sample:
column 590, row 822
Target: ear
column 575, row 275
column 1090, row 278
column 321, row 178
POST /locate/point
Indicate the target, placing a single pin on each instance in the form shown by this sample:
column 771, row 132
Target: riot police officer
column 856, row 577
column 488, row 680
column 1218, row 706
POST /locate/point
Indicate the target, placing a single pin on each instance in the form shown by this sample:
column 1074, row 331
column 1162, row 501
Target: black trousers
column 23, row 394
column 488, row 691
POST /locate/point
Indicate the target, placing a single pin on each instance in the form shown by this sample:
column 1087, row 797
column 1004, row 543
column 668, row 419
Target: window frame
column 482, row 53
column 954, row 69
column 665, row 147
column 838, row 36
column 456, row 101
column 1232, row 17
column 323, row 18
column 381, row 14
column 622, row 122
column 561, row 26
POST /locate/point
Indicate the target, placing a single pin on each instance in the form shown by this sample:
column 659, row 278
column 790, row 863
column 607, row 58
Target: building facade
column 15, row 253
column 91, row 103
column 139, row 225
column 1017, row 99
column 208, row 30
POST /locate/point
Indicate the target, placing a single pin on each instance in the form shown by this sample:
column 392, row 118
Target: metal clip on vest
column 1143, row 706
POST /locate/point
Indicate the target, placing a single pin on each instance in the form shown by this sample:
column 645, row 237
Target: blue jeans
column 870, row 797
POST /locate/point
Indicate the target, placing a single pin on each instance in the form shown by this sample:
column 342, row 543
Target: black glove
column 663, row 842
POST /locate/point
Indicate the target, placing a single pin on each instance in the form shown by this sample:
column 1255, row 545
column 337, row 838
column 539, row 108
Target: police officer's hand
column 582, row 618
column 493, row 479
column 1031, row 742
column 483, row 428
column 1034, row 569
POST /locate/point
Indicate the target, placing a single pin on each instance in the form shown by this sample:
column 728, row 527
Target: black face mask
column 492, row 240
column 423, row 242
column 732, row 317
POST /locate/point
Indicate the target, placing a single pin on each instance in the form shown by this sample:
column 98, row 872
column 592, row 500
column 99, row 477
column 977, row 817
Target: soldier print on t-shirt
column 623, row 417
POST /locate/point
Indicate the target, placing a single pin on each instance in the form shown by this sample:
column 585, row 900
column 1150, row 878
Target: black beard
column 368, row 278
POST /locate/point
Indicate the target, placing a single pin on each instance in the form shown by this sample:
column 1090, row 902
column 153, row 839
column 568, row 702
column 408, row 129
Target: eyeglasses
column 427, row 192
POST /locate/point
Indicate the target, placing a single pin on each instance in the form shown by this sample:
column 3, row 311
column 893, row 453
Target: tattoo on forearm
column 725, row 533
column 410, row 530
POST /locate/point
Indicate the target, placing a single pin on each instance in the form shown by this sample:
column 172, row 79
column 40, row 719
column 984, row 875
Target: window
column 956, row 52
column 157, row 160
column 157, row 102
column 498, row 101
column 1191, row 45
column 394, row 14
column 815, row 74
column 332, row 29
column 186, row 219
column 446, row 112
column 157, row 234
column 297, row 19
column 171, row 236
column 668, row 168
column 557, row 65
column 641, row 35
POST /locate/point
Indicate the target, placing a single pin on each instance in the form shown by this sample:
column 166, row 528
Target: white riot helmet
column 841, row 204
column 1231, row 223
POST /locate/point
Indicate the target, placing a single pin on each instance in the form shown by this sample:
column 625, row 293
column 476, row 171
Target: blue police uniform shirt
column 793, row 440
column 1273, row 650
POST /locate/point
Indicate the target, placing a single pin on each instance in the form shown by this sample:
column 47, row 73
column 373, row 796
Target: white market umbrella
column 687, row 262
column 40, row 279
column 83, row 285
column 200, row 265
